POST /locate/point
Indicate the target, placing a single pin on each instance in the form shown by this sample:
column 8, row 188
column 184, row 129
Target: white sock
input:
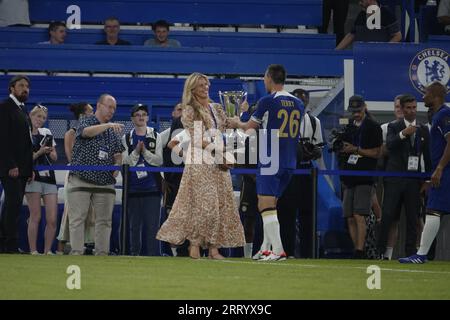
column 430, row 230
column 265, row 246
column 174, row 251
column 388, row 252
column 248, row 248
column 272, row 228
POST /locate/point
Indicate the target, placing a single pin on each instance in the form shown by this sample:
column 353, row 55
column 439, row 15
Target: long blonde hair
column 189, row 99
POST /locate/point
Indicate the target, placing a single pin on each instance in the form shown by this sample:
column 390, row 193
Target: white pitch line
column 283, row 264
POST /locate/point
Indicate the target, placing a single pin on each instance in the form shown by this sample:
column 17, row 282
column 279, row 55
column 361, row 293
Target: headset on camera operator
column 360, row 150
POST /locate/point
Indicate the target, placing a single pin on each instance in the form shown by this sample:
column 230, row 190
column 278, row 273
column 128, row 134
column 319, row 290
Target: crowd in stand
column 15, row 13
column 57, row 32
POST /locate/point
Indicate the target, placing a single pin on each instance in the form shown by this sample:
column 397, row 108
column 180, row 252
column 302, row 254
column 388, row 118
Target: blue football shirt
column 284, row 112
column 439, row 130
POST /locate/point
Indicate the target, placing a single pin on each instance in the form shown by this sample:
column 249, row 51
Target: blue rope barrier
column 375, row 174
column 244, row 171
column 79, row 168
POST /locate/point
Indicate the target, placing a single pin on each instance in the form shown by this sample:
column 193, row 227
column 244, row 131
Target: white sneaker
column 35, row 253
column 49, row 253
column 275, row 257
column 261, row 254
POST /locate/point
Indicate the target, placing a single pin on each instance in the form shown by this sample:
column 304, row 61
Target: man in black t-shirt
column 112, row 29
column 360, row 154
column 389, row 31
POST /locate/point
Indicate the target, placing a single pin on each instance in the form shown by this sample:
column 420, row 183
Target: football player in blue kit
column 278, row 114
column 438, row 195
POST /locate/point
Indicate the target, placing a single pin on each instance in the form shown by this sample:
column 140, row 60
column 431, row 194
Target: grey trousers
column 80, row 195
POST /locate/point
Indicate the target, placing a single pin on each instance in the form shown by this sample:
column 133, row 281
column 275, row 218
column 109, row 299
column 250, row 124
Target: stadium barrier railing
column 314, row 172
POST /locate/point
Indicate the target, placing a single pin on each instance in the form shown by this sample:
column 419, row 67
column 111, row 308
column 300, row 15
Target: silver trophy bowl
column 231, row 102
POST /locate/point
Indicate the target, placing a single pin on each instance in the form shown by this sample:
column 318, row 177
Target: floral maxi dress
column 204, row 211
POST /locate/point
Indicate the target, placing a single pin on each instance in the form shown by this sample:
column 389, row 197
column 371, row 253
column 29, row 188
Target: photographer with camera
column 295, row 215
column 361, row 147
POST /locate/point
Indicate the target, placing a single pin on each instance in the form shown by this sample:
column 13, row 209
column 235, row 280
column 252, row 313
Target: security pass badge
column 102, row 154
column 413, row 163
column 141, row 174
column 353, row 159
column 44, row 173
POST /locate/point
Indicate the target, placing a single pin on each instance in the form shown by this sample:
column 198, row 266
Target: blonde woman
column 44, row 184
column 204, row 211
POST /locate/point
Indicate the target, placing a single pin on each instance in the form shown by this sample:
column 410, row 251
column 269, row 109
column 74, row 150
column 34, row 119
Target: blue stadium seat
column 428, row 23
column 133, row 59
column 160, row 93
column 438, row 40
column 200, row 39
column 256, row 12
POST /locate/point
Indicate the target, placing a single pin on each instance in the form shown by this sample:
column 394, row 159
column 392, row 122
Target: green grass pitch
column 120, row 277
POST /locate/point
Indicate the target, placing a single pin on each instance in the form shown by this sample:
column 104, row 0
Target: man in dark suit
column 16, row 159
column 408, row 146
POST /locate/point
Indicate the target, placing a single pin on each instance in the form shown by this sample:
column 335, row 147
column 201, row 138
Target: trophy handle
column 220, row 98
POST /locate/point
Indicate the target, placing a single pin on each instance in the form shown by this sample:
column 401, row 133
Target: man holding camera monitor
column 360, row 151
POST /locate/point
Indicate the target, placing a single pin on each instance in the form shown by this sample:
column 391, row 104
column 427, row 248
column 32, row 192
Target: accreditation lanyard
column 104, row 149
column 358, row 138
column 417, row 142
column 213, row 116
column 414, row 160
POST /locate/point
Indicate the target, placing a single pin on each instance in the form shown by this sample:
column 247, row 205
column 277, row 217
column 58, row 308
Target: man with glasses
column 360, row 154
column 97, row 143
column 143, row 148
column 112, row 29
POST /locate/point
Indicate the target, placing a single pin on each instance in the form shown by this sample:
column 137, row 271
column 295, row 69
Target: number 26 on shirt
column 293, row 120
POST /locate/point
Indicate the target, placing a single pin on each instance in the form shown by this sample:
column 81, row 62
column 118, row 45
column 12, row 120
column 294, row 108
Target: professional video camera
column 309, row 151
column 341, row 135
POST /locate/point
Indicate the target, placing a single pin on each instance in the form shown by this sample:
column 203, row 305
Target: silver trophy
column 231, row 102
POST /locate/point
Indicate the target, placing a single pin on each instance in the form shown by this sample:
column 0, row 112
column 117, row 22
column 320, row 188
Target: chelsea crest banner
column 384, row 70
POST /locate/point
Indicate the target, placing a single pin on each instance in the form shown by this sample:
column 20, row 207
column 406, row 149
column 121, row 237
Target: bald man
column 97, row 143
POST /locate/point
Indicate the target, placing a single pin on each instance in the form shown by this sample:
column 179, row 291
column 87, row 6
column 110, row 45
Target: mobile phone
column 47, row 141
